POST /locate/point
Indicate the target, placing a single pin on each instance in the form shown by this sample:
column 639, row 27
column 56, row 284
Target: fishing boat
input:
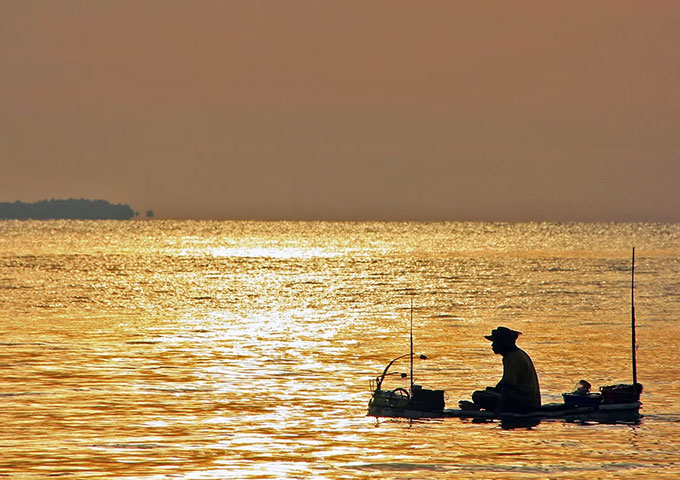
column 616, row 404
column 612, row 404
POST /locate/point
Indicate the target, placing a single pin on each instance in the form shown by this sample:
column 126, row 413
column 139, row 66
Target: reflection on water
column 244, row 350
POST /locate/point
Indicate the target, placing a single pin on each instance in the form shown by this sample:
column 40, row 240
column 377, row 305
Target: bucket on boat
column 582, row 399
column 581, row 396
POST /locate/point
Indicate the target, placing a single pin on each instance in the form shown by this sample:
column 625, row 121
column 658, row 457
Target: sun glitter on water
column 282, row 253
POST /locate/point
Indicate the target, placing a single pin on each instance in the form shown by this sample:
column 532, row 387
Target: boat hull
column 614, row 413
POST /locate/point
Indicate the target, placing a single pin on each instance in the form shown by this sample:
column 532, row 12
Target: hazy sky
column 325, row 109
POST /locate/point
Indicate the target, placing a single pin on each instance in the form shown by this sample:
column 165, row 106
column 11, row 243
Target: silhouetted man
column 518, row 390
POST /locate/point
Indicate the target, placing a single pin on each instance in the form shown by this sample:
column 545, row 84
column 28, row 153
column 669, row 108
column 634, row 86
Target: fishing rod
column 411, row 322
column 411, row 355
column 632, row 311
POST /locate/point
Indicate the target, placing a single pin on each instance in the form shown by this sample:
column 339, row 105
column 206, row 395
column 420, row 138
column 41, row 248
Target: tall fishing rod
column 411, row 341
column 632, row 311
column 411, row 356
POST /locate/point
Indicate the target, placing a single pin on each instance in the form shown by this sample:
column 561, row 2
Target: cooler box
column 429, row 400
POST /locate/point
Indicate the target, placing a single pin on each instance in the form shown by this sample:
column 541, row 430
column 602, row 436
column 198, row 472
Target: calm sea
column 208, row 350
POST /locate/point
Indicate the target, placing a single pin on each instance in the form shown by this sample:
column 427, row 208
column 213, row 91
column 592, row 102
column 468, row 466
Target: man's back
column 520, row 375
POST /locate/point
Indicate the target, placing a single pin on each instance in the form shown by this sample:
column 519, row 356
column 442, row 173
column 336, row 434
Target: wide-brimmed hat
column 503, row 334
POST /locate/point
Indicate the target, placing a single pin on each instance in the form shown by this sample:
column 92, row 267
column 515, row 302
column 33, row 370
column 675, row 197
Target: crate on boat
column 622, row 393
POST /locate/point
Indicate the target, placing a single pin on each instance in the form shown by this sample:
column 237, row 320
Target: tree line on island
column 76, row 209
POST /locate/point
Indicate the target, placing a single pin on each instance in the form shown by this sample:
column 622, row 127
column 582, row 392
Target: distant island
column 80, row 209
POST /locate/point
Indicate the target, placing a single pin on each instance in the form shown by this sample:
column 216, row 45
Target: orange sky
column 323, row 109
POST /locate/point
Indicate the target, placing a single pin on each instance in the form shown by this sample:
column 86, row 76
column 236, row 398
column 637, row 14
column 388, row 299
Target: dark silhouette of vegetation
column 65, row 209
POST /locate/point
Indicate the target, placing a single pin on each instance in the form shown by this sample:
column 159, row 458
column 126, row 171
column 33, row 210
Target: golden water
column 205, row 350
